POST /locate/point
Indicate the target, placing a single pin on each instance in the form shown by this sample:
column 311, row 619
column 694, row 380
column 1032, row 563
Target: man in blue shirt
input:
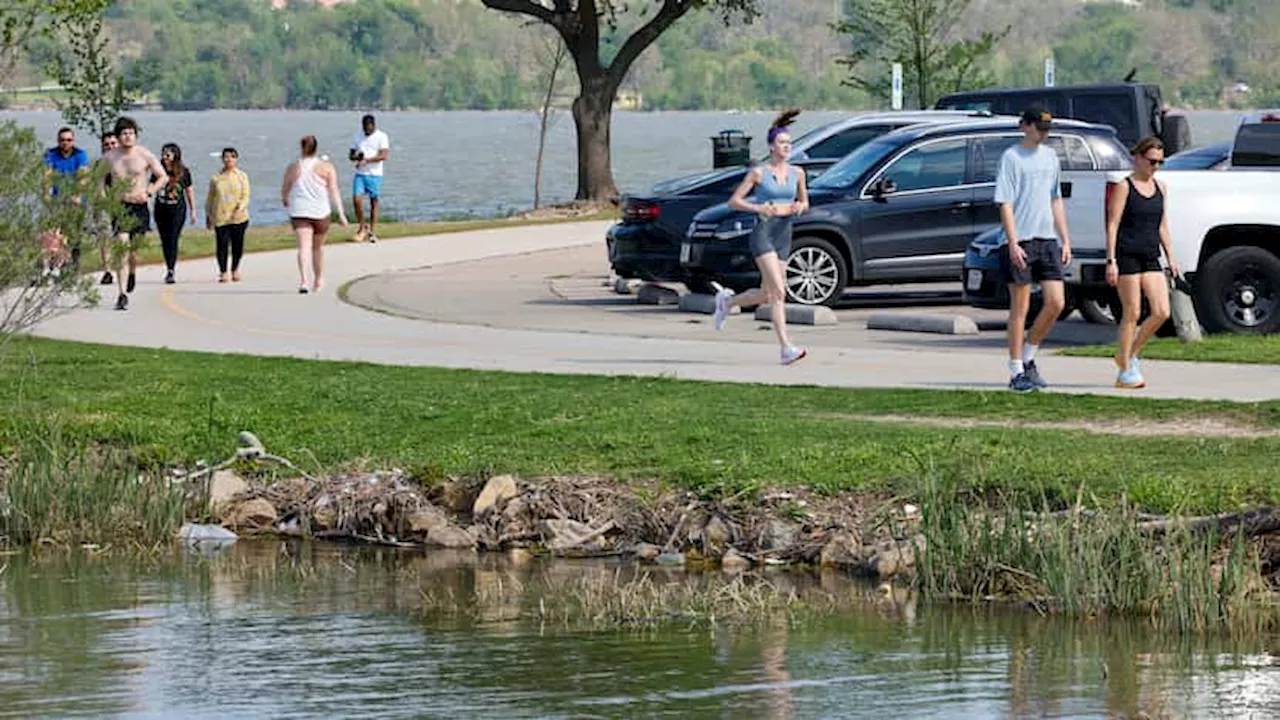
column 1035, row 223
column 65, row 163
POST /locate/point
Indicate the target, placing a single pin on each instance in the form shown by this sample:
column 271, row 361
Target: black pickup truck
column 1135, row 110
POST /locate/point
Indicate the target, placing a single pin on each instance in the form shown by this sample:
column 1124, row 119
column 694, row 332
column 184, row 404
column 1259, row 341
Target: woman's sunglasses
column 1154, row 162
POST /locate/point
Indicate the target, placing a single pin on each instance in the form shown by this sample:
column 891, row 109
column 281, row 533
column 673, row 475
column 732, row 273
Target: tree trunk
column 592, row 115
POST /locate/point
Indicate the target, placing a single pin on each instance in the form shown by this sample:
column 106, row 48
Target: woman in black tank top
column 1137, row 229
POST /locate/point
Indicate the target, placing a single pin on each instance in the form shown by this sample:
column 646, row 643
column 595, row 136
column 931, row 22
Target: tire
column 1238, row 291
column 815, row 273
column 1097, row 311
column 700, row 286
column 1112, row 303
column 1177, row 134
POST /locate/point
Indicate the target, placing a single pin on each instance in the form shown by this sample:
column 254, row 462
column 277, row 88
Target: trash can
column 729, row 148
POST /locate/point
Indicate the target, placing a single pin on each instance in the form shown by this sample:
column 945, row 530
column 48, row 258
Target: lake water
column 452, row 164
column 272, row 629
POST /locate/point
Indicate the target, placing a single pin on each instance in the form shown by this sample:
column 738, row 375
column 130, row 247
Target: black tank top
column 1140, row 223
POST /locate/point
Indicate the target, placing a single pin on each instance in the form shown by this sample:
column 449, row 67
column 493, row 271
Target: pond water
column 275, row 629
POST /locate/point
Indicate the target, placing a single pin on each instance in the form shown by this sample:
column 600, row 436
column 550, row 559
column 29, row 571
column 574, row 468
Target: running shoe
column 131, row 283
column 371, row 237
column 1021, row 384
column 1033, row 373
column 723, row 296
column 168, row 278
column 1130, row 379
column 360, row 235
column 107, row 278
column 122, row 302
column 793, row 354
column 302, row 290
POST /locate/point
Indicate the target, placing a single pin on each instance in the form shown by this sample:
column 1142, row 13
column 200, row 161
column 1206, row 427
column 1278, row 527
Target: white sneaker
column 723, row 296
column 793, row 353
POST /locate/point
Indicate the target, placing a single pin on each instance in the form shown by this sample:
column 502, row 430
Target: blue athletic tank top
column 770, row 190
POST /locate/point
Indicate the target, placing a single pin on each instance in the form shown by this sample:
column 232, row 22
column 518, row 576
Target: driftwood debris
column 1262, row 520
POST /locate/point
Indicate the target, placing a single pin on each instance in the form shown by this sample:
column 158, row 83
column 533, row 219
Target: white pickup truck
column 1225, row 228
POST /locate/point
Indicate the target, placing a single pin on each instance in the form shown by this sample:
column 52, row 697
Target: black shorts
column 1136, row 264
column 136, row 220
column 1044, row 262
column 771, row 235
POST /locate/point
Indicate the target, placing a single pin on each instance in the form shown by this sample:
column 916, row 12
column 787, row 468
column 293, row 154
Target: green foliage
column 919, row 34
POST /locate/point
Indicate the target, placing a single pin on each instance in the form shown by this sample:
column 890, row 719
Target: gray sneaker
column 1022, row 383
column 1033, row 374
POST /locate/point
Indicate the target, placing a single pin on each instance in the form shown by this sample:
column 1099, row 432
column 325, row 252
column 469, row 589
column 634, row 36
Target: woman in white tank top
column 310, row 192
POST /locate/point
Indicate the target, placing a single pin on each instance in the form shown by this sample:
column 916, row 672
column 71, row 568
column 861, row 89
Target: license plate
column 686, row 252
column 974, row 281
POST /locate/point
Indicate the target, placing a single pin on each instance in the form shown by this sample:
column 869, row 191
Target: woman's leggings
column 230, row 237
column 169, row 222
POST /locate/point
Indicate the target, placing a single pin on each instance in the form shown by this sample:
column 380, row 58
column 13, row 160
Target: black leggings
column 169, row 222
column 230, row 237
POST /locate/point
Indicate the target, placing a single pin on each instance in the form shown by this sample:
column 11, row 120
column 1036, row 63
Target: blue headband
column 774, row 132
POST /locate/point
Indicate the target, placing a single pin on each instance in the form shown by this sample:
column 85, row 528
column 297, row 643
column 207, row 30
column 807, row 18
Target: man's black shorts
column 1044, row 262
column 1136, row 264
column 135, row 221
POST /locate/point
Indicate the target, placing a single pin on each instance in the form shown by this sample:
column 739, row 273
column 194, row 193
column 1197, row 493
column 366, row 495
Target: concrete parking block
column 655, row 294
column 802, row 314
column 923, row 322
column 626, row 286
column 705, row 304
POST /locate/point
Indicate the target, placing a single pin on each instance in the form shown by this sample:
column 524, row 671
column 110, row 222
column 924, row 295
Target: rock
column 456, row 495
column 732, row 561
column 193, row 534
column 910, row 511
column 483, row 535
column 893, row 560
column 253, row 513
column 519, row 557
column 450, row 536
column 778, row 535
column 670, row 559
column 224, row 488
column 647, row 552
column 841, row 550
column 715, row 534
column 426, row 519
column 560, row 533
column 498, row 490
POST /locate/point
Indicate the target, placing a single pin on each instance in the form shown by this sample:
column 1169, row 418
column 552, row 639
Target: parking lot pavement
column 568, row 290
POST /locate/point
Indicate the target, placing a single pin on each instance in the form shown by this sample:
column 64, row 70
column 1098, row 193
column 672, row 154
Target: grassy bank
column 199, row 242
column 175, row 407
column 1253, row 349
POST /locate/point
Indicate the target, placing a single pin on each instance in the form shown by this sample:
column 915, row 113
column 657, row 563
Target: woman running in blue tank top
column 779, row 195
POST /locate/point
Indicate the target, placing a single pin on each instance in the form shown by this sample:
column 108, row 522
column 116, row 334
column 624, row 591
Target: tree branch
column 670, row 11
column 524, row 7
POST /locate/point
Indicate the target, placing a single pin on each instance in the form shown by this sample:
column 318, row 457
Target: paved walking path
column 264, row 315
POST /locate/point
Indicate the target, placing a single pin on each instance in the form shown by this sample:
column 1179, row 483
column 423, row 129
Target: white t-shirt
column 371, row 145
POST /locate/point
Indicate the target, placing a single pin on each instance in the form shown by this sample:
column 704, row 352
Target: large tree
column 921, row 35
column 584, row 24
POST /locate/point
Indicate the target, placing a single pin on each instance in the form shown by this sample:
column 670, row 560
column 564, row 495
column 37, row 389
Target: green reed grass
column 1085, row 562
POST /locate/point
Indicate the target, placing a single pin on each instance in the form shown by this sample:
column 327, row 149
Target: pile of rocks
column 581, row 516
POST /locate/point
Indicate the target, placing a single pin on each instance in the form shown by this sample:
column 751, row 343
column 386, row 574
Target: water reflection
column 295, row 630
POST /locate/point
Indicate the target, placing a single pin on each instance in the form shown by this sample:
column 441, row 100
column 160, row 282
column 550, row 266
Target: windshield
column 851, row 169
column 687, row 181
column 1202, row 158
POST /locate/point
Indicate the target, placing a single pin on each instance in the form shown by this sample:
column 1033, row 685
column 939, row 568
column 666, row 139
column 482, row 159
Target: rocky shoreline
column 863, row 534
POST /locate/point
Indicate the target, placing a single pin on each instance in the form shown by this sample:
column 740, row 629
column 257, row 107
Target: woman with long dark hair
column 175, row 203
column 1137, row 230
column 776, row 192
column 226, row 213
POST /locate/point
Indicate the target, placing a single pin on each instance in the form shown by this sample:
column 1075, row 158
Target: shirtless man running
column 133, row 165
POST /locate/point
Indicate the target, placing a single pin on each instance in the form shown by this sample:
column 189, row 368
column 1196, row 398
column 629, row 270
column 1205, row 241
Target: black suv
column 1135, row 110
column 902, row 208
column 645, row 244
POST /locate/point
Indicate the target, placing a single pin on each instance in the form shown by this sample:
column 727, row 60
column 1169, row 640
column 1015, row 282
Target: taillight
column 641, row 211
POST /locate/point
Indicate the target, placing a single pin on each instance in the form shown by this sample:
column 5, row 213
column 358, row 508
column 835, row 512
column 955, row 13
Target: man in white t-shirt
column 369, row 152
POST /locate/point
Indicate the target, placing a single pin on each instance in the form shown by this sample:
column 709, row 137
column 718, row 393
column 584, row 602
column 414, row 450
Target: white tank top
column 309, row 196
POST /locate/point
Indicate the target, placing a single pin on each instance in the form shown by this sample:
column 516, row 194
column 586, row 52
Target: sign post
column 1049, row 71
column 897, row 86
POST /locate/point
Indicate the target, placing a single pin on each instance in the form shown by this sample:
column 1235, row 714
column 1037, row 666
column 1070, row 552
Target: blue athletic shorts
column 370, row 185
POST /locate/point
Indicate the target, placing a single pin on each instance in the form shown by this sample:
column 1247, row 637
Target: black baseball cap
column 1037, row 116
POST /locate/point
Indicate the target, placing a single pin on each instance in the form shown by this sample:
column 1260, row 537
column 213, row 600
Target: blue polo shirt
column 69, row 165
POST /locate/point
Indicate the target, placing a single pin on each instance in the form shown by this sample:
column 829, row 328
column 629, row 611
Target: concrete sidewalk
column 264, row 315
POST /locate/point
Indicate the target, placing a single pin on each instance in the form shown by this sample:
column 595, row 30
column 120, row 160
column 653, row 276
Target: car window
column 1114, row 109
column 846, row 141
column 1073, row 154
column 723, row 186
column 1109, row 153
column 850, row 170
column 930, row 166
column 974, row 105
column 985, row 153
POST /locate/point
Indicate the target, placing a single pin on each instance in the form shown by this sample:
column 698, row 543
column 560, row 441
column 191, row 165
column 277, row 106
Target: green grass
column 176, row 407
column 199, row 243
column 1259, row 349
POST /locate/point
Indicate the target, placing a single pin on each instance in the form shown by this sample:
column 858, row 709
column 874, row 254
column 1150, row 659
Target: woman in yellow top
column 227, row 212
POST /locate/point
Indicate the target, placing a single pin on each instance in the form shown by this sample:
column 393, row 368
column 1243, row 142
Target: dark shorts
column 319, row 226
column 771, row 235
column 1044, row 262
column 1136, row 264
column 136, row 220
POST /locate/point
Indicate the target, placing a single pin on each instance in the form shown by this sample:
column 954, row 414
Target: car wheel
column 1097, row 311
column 1239, row 291
column 700, row 286
column 815, row 273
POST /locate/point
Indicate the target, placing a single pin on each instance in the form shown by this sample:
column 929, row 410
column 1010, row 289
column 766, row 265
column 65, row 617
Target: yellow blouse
column 228, row 201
